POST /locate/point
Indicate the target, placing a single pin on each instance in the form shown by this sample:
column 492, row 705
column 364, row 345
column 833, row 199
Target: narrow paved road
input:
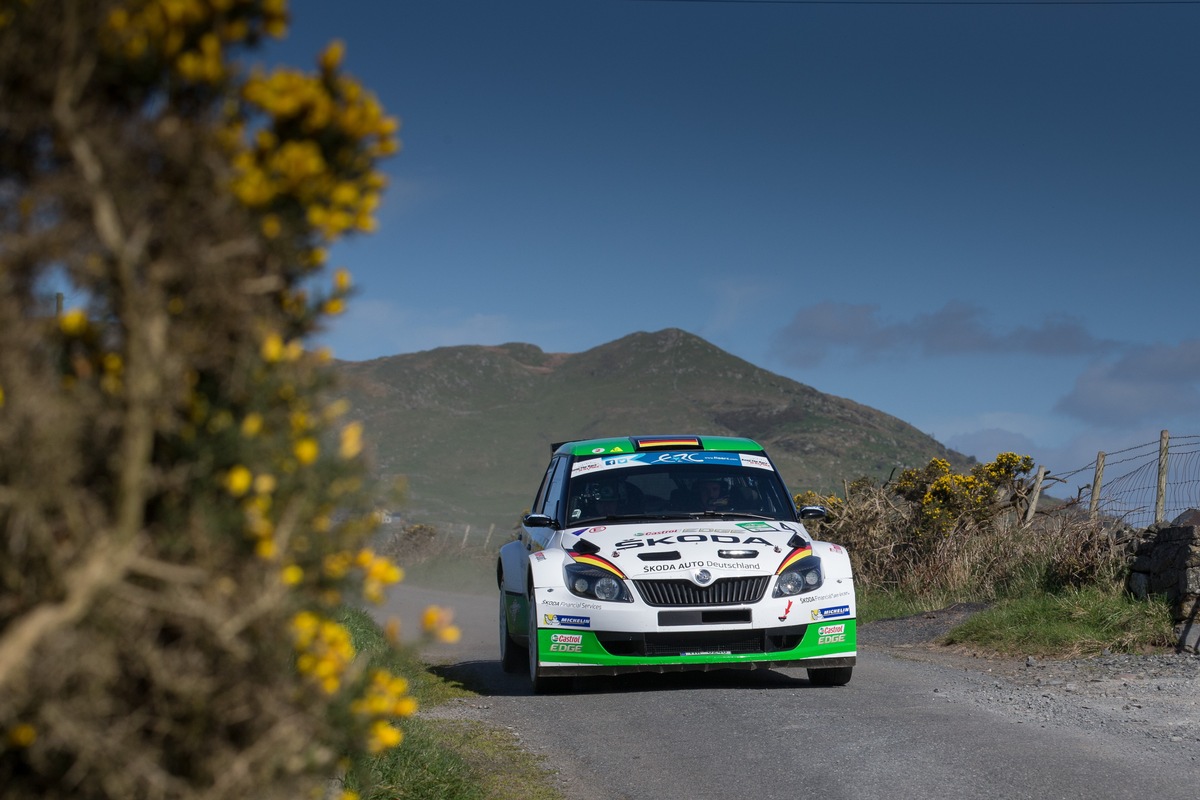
column 900, row 729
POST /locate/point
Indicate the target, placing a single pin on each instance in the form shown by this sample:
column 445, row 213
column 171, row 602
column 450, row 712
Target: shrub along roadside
column 1055, row 584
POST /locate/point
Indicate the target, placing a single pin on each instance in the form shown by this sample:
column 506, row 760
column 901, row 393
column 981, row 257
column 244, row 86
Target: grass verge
column 1069, row 623
column 439, row 759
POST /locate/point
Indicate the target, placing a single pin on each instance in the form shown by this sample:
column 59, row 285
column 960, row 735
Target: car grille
column 723, row 592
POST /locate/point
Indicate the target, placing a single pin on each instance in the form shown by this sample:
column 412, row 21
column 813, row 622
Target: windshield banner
column 683, row 457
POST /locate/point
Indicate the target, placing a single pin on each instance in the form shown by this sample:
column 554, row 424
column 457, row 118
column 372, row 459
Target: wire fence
column 1144, row 484
column 455, row 535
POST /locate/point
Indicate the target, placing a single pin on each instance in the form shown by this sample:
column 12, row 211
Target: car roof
column 636, row 444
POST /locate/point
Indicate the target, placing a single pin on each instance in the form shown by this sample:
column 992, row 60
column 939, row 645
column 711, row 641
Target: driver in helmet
column 709, row 491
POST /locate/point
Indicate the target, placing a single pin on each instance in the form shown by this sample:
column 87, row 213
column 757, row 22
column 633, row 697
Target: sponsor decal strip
column 597, row 561
column 803, row 551
column 754, row 461
column 832, row 612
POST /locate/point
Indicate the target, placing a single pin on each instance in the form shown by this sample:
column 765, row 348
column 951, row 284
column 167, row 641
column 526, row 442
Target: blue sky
column 982, row 219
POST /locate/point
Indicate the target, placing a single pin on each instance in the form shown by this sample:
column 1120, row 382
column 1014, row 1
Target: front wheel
column 511, row 654
column 830, row 676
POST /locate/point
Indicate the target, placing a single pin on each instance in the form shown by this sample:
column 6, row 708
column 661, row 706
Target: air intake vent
column 737, row 553
column 670, row 555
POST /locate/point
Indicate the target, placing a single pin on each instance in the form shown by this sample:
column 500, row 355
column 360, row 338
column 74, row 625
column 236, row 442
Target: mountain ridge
column 469, row 426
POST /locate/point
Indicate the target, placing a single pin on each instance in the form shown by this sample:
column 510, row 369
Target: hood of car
column 679, row 549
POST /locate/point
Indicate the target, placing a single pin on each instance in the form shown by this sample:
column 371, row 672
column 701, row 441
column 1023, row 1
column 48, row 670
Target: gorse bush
column 941, row 499
column 932, row 532
column 184, row 505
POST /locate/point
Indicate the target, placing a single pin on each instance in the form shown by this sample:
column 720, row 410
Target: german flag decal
column 804, row 551
column 658, row 442
column 597, row 561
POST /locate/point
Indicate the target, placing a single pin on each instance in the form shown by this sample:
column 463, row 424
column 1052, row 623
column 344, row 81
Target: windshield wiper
column 609, row 518
column 727, row 515
column 667, row 515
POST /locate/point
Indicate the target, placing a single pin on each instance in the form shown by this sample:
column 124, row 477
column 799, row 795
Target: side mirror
column 537, row 521
column 813, row 512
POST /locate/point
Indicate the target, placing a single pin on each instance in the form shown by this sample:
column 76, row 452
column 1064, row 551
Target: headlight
column 803, row 576
column 595, row 583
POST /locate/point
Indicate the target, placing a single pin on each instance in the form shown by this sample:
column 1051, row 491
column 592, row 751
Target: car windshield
column 677, row 491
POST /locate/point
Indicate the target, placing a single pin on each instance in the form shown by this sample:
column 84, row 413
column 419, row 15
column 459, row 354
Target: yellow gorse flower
column 351, row 440
column 73, row 322
column 439, row 622
column 21, row 736
column 378, row 573
column 383, row 736
column 252, row 425
column 324, row 650
column 331, row 56
column 264, row 483
column 272, row 348
column 306, row 450
column 238, row 480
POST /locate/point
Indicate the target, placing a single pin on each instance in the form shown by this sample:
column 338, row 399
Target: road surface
column 903, row 728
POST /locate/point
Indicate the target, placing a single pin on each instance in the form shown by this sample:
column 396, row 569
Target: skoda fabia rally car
column 664, row 553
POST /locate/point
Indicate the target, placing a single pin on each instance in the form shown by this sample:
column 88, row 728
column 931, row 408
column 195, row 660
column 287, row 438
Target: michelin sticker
column 556, row 620
column 832, row 612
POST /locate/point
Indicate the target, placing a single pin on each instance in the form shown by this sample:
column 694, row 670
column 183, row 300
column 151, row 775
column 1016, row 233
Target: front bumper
column 571, row 651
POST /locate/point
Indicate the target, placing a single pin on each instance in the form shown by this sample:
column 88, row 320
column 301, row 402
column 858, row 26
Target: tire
column 512, row 655
column 830, row 676
column 537, row 681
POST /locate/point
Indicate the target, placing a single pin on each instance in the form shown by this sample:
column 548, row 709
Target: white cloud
column 1156, row 383
column 954, row 330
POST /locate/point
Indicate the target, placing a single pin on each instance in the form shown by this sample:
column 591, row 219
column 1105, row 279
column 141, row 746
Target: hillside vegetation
column 469, row 428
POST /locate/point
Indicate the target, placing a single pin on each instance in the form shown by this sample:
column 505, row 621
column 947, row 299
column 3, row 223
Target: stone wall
column 1166, row 561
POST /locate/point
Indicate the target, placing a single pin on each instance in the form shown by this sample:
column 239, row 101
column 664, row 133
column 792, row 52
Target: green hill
column 470, row 427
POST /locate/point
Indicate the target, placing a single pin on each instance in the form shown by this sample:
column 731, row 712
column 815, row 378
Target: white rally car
column 663, row 553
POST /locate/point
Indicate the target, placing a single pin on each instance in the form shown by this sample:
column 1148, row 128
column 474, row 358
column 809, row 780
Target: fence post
column 1097, row 481
column 1033, row 495
column 466, row 533
column 1160, row 496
